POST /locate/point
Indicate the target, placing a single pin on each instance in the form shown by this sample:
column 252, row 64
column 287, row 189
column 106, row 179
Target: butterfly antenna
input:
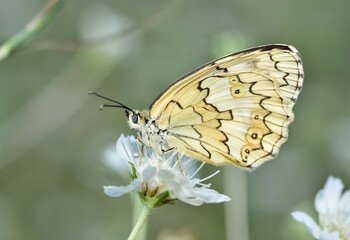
column 120, row 105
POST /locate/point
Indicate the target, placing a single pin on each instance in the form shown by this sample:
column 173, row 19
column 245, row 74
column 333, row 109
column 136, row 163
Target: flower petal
column 123, row 148
column 178, row 185
column 344, row 205
column 311, row 225
column 344, row 213
column 191, row 200
column 117, row 191
column 210, row 195
column 326, row 200
column 112, row 160
column 182, row 188
column 148, row 173
column 325, row 235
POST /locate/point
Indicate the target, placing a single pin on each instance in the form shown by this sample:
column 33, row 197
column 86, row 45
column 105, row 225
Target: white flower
column 334, row 212
column 162, row 178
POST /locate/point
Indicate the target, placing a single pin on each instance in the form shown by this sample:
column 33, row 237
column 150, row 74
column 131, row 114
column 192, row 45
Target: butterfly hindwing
column 234, row 110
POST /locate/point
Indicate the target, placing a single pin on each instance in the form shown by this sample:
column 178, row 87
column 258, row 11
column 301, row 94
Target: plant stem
column 32, row 29
column 142, row 218
column 237, row 224
column 148, row 203
column 137, row 205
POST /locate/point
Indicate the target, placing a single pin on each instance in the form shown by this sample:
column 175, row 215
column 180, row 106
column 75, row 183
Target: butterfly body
column 149, row 132
column 232, row 111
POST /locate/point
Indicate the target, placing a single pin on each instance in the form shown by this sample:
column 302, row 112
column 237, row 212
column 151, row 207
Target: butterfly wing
column 233, row 110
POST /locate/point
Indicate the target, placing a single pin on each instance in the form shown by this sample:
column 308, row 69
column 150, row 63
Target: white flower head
column 333, row 208
column 161, row 178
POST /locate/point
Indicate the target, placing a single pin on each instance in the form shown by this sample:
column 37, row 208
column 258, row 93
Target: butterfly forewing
column 234, row 110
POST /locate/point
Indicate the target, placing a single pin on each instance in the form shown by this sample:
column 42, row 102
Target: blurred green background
column 53, row 137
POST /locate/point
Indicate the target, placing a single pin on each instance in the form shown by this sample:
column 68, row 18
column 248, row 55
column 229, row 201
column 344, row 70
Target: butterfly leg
column 178, row 155
column 164, row 151
column 140, row 147
column 180, row 164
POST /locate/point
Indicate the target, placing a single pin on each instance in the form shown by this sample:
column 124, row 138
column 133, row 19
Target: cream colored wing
column 234, row 110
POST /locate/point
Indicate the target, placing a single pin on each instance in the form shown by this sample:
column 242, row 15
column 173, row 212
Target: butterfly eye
column 135, row 118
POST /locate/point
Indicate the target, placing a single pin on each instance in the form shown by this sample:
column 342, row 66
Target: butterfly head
column 136, row 119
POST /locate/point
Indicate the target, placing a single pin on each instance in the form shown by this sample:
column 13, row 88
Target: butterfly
column 234, row 110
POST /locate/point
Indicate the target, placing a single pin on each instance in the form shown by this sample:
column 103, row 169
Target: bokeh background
column 53, row 138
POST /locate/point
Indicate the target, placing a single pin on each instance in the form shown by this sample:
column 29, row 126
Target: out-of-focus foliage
column 53, row 137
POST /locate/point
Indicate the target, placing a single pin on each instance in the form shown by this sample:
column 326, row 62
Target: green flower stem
column 137, row 206
column 32, row 29
column 148, row 203
column 146, row 209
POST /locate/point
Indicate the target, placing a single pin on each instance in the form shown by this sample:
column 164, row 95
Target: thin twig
column 72, row 46
column 31, row 30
